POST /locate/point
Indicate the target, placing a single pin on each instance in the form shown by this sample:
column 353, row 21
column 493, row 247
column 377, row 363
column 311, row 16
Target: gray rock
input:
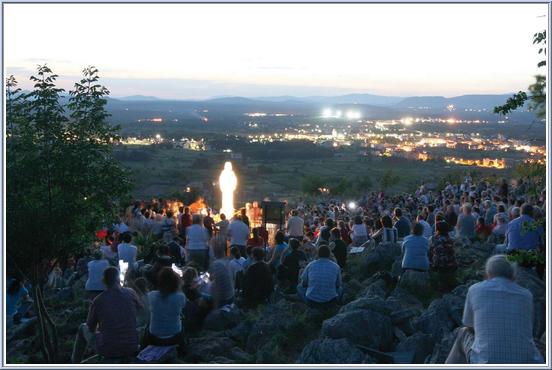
column 422, row 345
column 376, row 289
column 435, row 320
column 375, row 304
column 331, row 351
column 403, row 299
column 366, row 327
column 382, row 256
column 204, row 349
column 529, row 280
column 442, row 348
column 396, row 268
column 403, row 315
column 218, row 320
column 416, row 282
column 274, row 318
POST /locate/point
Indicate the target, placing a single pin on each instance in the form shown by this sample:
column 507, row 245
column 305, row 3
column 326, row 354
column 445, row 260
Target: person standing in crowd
column 279, row 247
column 185, row 222
column 295, row 226
column 209, row 223
column 238, row 232
column 197, row 243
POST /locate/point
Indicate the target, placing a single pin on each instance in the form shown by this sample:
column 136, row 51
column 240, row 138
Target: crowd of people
column 203, row 263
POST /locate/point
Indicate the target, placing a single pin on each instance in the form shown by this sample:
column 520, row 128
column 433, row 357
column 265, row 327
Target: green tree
column 388, row 179
column 311, row 185
column 62, row 180
column 537, row 91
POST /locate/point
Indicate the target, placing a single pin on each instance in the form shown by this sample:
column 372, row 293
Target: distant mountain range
column 415, row 102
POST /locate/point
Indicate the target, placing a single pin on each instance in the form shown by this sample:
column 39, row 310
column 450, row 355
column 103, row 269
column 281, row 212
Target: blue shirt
column 278, row 250
column 165, row 313
column 415, row 252
column 323, row 278
column 12, row 301
column 466, row 226
column 501, row 314
column 403, row 226
column 523, row 239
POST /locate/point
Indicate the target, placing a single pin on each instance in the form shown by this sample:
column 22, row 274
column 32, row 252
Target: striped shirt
column 323, row 278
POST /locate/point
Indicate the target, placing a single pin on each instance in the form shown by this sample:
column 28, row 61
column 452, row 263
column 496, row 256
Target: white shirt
column 238, row 233
column 295, row 226
column 107, row 252
column 95, row 275
column 235, row 266
column 359, row 230
column 501, row 314
column 197, row 237
column 127, row 253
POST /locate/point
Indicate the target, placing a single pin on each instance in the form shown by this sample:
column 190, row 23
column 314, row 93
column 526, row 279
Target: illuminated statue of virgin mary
column 228, row 183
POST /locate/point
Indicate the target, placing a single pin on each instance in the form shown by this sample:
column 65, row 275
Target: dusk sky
column 195, row 51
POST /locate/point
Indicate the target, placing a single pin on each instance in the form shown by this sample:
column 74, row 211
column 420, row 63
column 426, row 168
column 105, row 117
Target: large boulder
column 375, row 304
column 529, row 280
column 382, row 256
column 422, row 345
column 436, row 320
column 222, row 319
column 442, row 348
column 361, row 326
column 416, row 282
column 330, row 351
column 277, row 317
column 207, row 348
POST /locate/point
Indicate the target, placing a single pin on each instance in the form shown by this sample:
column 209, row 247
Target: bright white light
column 228, row 183
column 352, row 205
column 123, row 267
column 327, row 113
column 407, row 121
column 350, row 115
column 158, row 136
column 177, row 270
column 338, row 114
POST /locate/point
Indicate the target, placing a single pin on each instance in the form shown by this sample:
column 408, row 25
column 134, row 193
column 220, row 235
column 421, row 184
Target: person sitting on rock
column 498, row 322
column 221, row 286
column 465, row 226
column 388, row 233
column 18, row 301
column 402, row 224
column 320, row 285
column 292, row 261
column 359, row 233
column 257, row 280
column 111, row 323
column 442, row 257
column 523, row 232
column 339, row 248
column 127, row 252
column 166, row 305
column 94, row 284
column 415, row 250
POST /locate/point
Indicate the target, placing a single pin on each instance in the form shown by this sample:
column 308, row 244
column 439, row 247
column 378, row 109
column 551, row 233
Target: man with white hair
column 498, row 321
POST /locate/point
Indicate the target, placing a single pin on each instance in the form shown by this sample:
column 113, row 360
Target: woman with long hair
column 166, row 305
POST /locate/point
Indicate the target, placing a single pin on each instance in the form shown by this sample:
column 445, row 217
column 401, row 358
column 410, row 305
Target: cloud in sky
column 201, row 50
